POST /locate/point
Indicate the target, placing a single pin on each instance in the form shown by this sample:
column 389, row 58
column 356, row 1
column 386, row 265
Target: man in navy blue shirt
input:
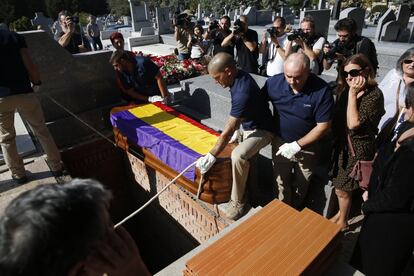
column 140, row 78
column 250, row 109
column 302, row 105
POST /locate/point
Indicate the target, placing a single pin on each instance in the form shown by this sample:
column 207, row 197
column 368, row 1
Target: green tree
column 21, row 24
column 118, row 7
column 6, row 12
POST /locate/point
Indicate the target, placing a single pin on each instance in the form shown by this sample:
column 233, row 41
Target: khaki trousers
column 252, row 142
column 293, row 176
column 29, row 108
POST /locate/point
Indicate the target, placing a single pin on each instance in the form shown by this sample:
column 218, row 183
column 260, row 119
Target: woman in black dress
column 359, row 107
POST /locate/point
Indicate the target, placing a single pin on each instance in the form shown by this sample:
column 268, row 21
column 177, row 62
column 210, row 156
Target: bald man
column 250, row 109
column 302, row 107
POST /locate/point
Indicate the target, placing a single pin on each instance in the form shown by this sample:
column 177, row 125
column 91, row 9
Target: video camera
column 74, row 19
column 214, row 25
column 273, row 32
column 298, row 33
column 182, row 21
column 238, row 26
column 337, row 47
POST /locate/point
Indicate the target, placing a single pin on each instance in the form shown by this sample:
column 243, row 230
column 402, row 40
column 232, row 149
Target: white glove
column 235, row 137
column 289, row 150
column 153, row 99
column 205, row 163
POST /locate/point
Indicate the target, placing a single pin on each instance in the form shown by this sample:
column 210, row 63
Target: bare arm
column 162, row 85
column 30, row 66
column 315, row 134
column 227, row 40
column 288, row 48
column 177, row 34
column 135, row 95
column 352, row 115
column 312, row 55
column 231, row 126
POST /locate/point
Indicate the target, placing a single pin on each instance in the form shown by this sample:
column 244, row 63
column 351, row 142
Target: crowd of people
column 369, row 128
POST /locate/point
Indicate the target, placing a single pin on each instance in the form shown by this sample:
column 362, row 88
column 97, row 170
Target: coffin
column 168, row 141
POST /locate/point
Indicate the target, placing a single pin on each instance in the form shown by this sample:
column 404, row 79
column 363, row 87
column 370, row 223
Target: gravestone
column 288, row 15
column 126, row 20
column 147, row 31
column 357, row 14
column 232, row 14
column 44, row 22
column 336, row 9
column 163, row 20
column 100, row 24
column 250, row 13
column 403, row 16
column 322, row 5
column 263, row 17
column 321, row 18
column 390, row 31
column 140, row 15
column 387, row 17
column 411, row 40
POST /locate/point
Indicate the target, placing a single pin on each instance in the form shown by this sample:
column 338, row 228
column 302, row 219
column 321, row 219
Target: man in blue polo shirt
column 249, row 108
column 140, row 78
column 303, row 106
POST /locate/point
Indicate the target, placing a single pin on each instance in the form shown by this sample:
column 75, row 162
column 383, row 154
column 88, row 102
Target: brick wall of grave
column 200, row 219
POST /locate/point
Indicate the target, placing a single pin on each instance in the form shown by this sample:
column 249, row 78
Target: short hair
column 364, row 63
column 310, row 20
column 245, row 19
column 346, row 24
column 115, row 35
column 408, row 53
column 49, row 229
column 199, row 27
column 281, row 19
column 226, row 17
column 220, row 62
column 296, row 57
column 63, row 13
column 119, row 55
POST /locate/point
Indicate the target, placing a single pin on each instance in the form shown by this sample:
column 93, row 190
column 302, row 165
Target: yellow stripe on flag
column 180, row 130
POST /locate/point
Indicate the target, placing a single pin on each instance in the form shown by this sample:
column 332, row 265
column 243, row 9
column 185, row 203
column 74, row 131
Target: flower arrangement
column 174, row 70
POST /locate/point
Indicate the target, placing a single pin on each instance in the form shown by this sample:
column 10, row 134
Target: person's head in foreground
column 63, row 230
column 222, row 68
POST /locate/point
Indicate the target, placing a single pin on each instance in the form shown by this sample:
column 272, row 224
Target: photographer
column 273, row 47
column 348, row 44
column 71, row 39
column 183, row 33
column 306, row 41
column 217, row 33
column 246, row 41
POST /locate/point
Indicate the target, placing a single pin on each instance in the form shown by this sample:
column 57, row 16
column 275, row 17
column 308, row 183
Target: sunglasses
column 352, row 73
column 408, row 61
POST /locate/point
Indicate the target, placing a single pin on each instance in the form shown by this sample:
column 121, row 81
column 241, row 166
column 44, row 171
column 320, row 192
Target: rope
column 154, row 197
column 199, row 186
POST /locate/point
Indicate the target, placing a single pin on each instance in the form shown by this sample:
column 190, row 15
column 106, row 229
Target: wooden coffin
column 216, row 184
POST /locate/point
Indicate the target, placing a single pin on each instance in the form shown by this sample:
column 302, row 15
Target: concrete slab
column 157, row 49
column 37, row 172
column 24, row 142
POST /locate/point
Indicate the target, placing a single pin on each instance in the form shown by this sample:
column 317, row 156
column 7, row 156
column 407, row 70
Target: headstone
column 390, row 31
column 199, row 12
column 127, row 20
column 263, row 17
column 357, row 14
column 232, row 14
column 411, row 40
column 163, row 20
column 288, row 15
column 387, row 17
column 45, row 22
column 322, row 5
column 140, row 15
column 142, row 40
column 100, row 24
column 250, row 12
column 403, row 16
column 147, row 31
column 404, row 35
column 336, row 9
column 321, row 18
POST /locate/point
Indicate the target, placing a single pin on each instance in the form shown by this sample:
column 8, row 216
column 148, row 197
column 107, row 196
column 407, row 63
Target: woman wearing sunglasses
column 393, row 86
column 358, row 110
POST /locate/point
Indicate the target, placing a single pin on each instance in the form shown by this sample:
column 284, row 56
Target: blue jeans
column 182, row 56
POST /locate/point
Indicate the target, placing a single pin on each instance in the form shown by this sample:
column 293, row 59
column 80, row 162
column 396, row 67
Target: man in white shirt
column 309, row 43
column 273, row 45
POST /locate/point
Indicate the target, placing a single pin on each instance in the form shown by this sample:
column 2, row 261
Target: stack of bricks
column 277, row 240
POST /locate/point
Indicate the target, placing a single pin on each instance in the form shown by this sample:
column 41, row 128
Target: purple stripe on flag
column 168, row 150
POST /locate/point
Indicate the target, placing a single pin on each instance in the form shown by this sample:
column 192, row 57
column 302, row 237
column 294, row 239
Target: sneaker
column 236, row 209
column 20, row 179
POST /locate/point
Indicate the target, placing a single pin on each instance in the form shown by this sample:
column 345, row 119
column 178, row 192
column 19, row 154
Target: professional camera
column 296, row 34
column 238, row 26
column 337, row 47
column 214, row 25
column 273, row 32
column 182, row 21
column 74, row 19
